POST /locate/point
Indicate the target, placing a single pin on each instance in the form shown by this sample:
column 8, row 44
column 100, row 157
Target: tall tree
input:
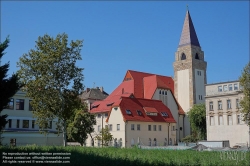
column 245, row 84
column 8, row 86
column 197, row 117
column 52, row 79
column 82, row 125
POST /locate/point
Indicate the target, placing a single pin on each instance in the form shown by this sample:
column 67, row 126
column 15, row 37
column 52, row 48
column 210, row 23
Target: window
column 120, row 142
column 19, row 104
column 30, row 107
column 138, row 127
column 159, row 127
column 165, row 142
column 50, row 125
column 99, row 115
column 139, row 112
column 149, row 127
column 238, row 119
column 220, row 120
column 196, row 56
column 173, row 128
column 99, row 143
column 110, row 127
column 235, row 86
column 160, row 92
column 237, row 103
column 211, row 121
column 199, row 73
column 220, row 105
column 33, row 124
column 224, row 88
column 164, row 114
column 10, row 123
column 132, row 142
column 154, row 127
column 11, row 104
column 149, row 142
column 166, row 93
column 25, row 123
column 219, row 88
column 211, row 106
column 118, row 127
column 128, row 112
column 183, row 56
column 98, row 128
column 229, row 104
column 132, row 127
column 230, row 87
column 106, row 115
column 155, row 142
column 229, row 120
column 17, row 123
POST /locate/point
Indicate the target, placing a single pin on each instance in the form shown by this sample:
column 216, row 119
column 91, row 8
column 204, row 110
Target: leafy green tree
column 53, row 80
column 104, row 136
column 197, row 117
column 245, row 84
column 8, row 86
column 82, row 125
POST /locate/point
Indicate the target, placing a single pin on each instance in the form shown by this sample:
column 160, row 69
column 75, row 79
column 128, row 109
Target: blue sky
column 131, row 35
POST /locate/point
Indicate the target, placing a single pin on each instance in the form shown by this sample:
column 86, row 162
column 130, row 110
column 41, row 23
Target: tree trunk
column 64, row 135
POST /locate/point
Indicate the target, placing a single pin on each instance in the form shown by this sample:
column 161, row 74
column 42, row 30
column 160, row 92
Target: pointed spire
column 188, row 35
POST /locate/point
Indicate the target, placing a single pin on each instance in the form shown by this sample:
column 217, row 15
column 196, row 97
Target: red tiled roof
column 134, row 104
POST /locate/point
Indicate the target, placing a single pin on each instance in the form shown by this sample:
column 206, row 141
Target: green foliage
column 197, row 118
column 131, row 156
column 52, row 79
column 190, row 138
column 8, row 86
column 104, row 136
column 245, row 83
column 82, row 125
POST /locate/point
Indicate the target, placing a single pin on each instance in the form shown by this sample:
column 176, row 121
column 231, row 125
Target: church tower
column 189, row 71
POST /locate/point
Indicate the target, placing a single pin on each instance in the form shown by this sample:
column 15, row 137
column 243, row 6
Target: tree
column 8, row 86
column 82, row 125
column 245, row 84
column 104, row 136
column 197, row 117
column 52, row 80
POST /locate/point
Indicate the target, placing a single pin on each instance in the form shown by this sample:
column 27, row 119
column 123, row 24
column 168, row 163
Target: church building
column 150, row 109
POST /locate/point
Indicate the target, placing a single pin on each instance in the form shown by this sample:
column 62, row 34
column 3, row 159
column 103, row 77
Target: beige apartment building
column 134, row 121
column 224, row 120
column 21, row 127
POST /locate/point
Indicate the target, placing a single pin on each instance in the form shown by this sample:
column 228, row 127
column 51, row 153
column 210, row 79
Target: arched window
column 197, row 56
column 120, row 142
column 165, row 92
column 160, row 92
column 155, row 142
column 183, row 56
column 166, row 142
column 149, row 142
column 132, row 142
column 115, row 142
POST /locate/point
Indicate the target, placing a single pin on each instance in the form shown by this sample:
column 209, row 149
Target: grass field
column 119, row 157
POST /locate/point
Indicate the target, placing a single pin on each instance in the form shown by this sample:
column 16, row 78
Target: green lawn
column 119, row 157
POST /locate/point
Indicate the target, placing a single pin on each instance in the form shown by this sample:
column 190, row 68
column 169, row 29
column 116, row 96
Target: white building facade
column 21, row 127
column 224, row 120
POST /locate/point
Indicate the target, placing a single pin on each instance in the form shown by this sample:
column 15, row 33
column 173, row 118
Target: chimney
column 101, row 89
column 88, row 89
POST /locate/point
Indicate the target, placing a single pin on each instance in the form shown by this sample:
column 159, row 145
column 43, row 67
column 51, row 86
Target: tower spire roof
column 188, row 35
